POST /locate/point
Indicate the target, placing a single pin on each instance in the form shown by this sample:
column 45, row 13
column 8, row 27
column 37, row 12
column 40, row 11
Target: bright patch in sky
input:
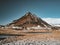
column 52, row 20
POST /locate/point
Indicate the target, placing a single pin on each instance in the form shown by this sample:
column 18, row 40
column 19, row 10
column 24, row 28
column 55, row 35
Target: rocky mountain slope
column 30, row 20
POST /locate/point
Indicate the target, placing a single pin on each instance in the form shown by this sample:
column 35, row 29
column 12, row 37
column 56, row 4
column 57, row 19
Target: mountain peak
column 28, row 13
column 30, row 20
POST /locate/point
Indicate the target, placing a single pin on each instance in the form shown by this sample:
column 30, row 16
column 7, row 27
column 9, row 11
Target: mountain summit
column 30, row 20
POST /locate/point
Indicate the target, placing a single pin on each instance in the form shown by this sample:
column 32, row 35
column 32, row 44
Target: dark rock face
column 30, row 20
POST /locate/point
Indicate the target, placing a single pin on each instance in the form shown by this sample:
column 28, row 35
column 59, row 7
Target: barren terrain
column 31, row 34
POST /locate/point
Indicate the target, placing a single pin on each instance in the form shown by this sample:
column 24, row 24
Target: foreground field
column 36, row 35
column 11, row 31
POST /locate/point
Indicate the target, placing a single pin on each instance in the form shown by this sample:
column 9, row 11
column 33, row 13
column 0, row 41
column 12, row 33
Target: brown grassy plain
column 35, row 35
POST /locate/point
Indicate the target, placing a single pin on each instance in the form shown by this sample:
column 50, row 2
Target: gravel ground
column 33, row 42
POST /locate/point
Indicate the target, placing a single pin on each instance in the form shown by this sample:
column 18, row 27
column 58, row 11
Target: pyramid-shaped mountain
column 30, row 20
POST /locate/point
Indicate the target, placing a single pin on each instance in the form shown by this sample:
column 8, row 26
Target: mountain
column 30, row 20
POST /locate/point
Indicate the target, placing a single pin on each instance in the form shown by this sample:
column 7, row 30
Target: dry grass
column 11, row 31
column 51, row 35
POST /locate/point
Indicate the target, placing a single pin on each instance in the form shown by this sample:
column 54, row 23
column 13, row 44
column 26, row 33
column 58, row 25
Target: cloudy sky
column 51, row 21
column 48, row 10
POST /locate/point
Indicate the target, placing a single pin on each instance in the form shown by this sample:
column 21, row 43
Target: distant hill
column 30, row 20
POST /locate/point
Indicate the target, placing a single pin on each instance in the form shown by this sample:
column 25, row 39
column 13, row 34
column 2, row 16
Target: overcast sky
column 10, row 10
